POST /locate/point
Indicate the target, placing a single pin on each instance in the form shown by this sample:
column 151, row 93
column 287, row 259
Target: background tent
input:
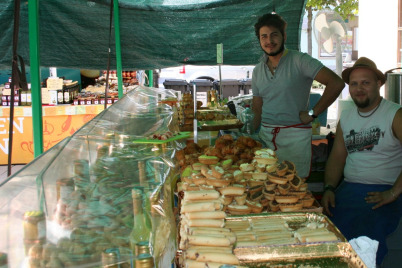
column 154, row 33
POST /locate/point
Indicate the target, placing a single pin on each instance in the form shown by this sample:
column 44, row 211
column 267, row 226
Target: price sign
column 219, row 53
column 54, row 83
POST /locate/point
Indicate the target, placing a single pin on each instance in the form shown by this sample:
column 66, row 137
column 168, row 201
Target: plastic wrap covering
column 93, row 199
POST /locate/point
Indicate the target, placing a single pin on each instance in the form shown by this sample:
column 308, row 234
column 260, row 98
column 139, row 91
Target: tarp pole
column 118, row 48
column 150, row 75
column 37, row 126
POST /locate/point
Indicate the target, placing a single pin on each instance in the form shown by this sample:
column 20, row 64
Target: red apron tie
column 276, row 130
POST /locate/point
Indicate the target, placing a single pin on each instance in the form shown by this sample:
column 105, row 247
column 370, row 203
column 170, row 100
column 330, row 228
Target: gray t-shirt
column 287, row 92
column 374, row 153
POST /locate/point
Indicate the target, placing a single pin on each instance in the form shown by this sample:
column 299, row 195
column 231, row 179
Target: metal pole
column 118, row 47
column 150, row 75
column 195, row 123
column 37, row 125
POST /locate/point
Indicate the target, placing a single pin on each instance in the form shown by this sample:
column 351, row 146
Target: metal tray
column 316, row 254
column 344, row 256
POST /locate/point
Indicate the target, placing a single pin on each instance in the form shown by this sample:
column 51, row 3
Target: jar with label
column 60, row 98
column 144, row 261
column 142, row 247
column 64, row 188
column 67, row 96
column 34, row 225
column 116, row 258
column 34, row 229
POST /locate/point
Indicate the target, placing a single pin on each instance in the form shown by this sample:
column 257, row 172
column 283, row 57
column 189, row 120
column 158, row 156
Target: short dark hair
column 270, row 19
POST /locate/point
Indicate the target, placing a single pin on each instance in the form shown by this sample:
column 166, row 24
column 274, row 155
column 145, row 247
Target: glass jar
column 34, row 225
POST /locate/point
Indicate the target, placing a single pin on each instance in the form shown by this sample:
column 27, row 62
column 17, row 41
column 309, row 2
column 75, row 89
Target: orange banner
column 57, row 125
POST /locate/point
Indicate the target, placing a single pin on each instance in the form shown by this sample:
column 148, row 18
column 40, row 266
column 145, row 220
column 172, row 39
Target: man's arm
column 334, row 169
column 257, row 109
column 333, row 87
column 382, row 198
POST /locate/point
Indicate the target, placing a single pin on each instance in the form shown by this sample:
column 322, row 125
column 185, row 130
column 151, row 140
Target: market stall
column 115, row 190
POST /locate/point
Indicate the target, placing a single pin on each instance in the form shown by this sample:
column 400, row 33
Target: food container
column 64, row 188
column 34, row 225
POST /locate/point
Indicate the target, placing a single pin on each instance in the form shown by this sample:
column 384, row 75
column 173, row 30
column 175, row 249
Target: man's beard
column 362, row 104
column 281, row 49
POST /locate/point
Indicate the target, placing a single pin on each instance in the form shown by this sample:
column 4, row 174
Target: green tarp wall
column 154, row 33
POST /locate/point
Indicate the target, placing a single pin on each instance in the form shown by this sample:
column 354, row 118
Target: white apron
column 291, row 143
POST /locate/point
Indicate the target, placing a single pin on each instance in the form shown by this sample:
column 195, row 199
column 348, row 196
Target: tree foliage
column 347, row 9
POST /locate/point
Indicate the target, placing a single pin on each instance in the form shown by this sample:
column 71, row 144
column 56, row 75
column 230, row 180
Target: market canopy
column 154, row 33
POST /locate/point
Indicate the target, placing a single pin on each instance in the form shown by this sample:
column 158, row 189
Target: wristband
column 328, row 187
column 393, row 194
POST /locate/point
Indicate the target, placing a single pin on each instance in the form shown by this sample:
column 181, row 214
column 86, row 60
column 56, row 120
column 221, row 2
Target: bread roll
column 202, row 240
column 286, row 198
column 237, row 190
column 219, row 257
column 204, row 206
column 206, row 215
column 208, row 160
column 201, row 195
column 206, row 222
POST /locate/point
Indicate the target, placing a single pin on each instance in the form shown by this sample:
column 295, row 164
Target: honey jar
column 34, row 225
column 142, row 247
column 144, row 261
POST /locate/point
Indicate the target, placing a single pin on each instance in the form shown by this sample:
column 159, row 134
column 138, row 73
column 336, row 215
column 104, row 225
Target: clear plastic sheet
column 84, row 186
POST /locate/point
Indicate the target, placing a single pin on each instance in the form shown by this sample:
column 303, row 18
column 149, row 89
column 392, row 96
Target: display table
column 58, row 122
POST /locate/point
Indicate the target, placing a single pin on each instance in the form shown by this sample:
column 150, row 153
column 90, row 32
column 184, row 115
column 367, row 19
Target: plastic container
column 248, row 120
column 203, row 85
column 230, row 87
column 246, row 86
column 177, row 84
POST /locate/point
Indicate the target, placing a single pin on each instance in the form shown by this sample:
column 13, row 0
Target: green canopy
column 154, row 33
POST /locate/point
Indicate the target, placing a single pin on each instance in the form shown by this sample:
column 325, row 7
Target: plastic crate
column 176, row 84
column 203, row 85
column 230, row 87
column 246, row 86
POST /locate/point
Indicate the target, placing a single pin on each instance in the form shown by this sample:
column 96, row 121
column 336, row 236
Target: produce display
column 210, row 118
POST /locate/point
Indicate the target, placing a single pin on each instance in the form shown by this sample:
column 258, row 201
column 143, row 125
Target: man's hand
column 328, row 199
column 380, row 198
column 305, row 118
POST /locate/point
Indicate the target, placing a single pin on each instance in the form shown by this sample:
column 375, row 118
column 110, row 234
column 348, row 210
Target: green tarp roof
column 154, row 33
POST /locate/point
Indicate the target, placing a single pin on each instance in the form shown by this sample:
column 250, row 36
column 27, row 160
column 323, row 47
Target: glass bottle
column 156, row 218
column 141, row 231
column 248, row 120
column 315, row 126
